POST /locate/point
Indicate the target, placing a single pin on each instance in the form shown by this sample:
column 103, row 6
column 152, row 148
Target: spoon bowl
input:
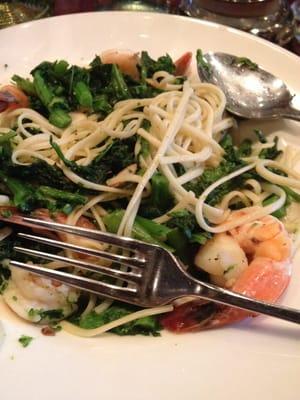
column 250, row 91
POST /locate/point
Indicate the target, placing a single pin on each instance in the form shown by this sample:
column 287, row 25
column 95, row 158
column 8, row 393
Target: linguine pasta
column 182, row 125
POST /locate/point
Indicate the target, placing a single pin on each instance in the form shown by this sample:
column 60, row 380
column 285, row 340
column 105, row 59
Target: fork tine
column 110, row 238
column 129, row 261
column 114, row 273
column 100, row 288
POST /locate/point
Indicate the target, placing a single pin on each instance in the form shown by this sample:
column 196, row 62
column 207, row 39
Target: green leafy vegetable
column 41, row 173
column 6, row 213
column 161, row 199
column 245, row 62
column 27, row 197
column 4, row 271
column 148, row 66
column 83, row 95
column 143, row 229
column 60, row 118
column 229, row 164
column 58, row 88
column 232, row 161
column 142, row 326
column 25, row 85
column 245, row 148
column 292, row 195
column 184, row 220
column 47, row 315
column 260, row 136
column 25, row 340
column 6, row 137
column 281, row 212
column 48, row 192
column 185, row 231
column 117, row 156
column 271, row 153
column 42, row 90
column 202, row 63
column 23, row 194
column 7, row 252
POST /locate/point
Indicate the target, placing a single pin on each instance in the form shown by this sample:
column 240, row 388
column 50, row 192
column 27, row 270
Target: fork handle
column 229, row 298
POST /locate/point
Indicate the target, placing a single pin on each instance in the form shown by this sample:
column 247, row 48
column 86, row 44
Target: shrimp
column 183, row 63
column 266, row 237
column 11, row 98
column 37, row 299
column 264, row 275
column 82, row 222
column 127, row 61
column 223, row 259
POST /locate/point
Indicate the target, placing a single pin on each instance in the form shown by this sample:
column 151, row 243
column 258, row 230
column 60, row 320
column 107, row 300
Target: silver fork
column 154, row 277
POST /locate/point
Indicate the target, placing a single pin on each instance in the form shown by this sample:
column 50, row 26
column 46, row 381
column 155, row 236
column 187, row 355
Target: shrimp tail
column 189, row 316
column 264, row 280
column 11, row 98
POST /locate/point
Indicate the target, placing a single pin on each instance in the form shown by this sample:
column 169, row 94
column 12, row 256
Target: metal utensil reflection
column 250, row 91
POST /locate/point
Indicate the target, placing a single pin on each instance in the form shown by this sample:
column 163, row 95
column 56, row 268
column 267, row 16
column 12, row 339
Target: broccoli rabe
column 58, row 88
column 149, row 66
column 143, row 229
column 142, row 326
column 185, row 231
column 161, row 199
column 232, row 161
column 118, row 155
column 27, row 197
column 25, row 340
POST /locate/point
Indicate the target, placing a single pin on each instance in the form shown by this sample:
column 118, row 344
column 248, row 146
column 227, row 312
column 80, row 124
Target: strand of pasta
column 253, row 212
column 169, row 136
column 75, row 330
column 90, row 305
column 261, row 168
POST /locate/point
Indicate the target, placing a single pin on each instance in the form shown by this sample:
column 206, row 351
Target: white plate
column 252, row 360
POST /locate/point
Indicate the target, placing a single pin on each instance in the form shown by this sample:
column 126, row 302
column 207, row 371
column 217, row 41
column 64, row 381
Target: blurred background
column 274, row 20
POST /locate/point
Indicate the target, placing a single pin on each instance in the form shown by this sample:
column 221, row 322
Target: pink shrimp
column 268, row 248
column 127, row 61
column 11, row 98
column 43, row 213
column 183, row 63
column 82, row 222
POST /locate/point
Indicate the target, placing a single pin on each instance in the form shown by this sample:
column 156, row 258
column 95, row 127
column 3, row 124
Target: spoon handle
column 291, row 113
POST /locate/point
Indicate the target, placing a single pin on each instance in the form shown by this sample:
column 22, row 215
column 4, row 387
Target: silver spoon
column 250, row 91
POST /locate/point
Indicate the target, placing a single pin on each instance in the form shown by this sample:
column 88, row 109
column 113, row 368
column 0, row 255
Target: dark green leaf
column 260, row 136
column 83, row 95
column 60, row 118
column 202, row 63
column 141, row 326
column 245, row 62
column 272, row 152
column 148, row 66
column 25, row 85
column 25, row 340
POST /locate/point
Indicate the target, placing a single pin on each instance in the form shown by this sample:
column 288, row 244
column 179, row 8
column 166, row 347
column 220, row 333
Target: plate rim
column 185, row 344
column 197, row 21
